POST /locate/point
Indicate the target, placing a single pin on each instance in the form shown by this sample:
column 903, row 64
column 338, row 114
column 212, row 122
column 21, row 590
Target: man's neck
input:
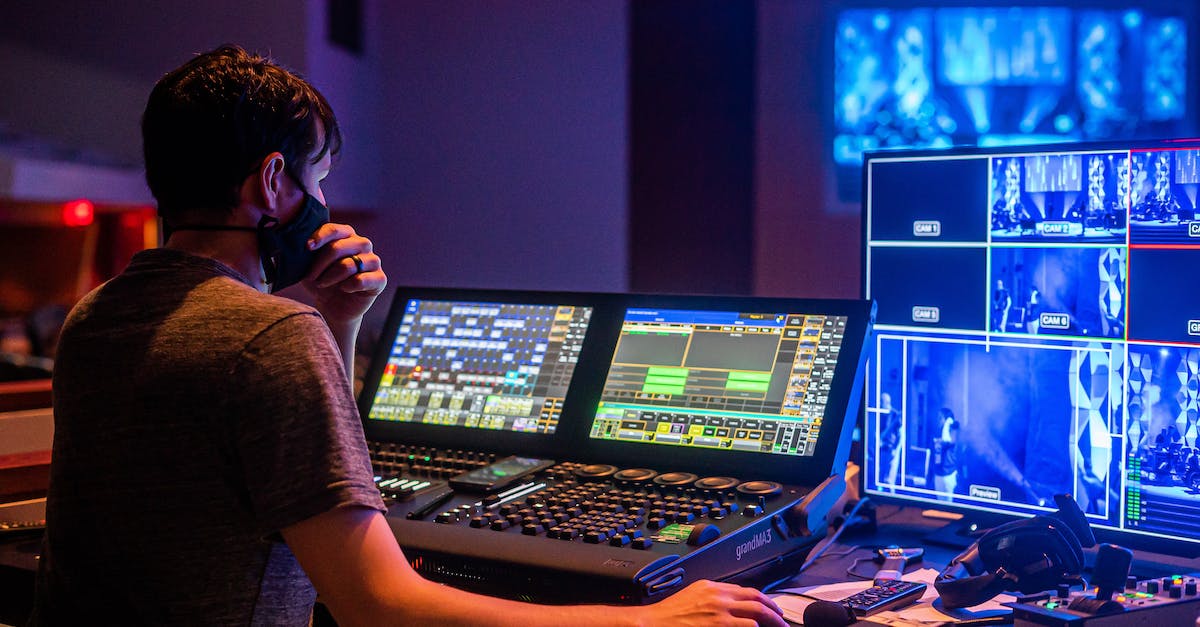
column 236, row 249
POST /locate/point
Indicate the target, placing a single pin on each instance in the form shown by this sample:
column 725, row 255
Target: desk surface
column 907, row 527
column 901, row 526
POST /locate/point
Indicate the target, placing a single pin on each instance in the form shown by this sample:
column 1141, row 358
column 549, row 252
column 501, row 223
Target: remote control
column 888, row 595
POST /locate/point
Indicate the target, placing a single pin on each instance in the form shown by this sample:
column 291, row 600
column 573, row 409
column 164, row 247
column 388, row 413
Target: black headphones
column 1023, row 556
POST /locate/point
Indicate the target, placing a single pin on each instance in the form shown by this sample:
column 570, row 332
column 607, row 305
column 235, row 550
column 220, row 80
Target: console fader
column 597, row 533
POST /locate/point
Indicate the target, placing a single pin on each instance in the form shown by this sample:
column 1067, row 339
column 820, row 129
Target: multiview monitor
column 1038, row 332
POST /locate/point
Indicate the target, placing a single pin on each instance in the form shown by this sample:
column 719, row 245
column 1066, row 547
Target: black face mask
column 283, row 250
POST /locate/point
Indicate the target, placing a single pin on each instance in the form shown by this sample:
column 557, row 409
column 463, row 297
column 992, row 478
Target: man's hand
column 708, row 603
column 341, row 292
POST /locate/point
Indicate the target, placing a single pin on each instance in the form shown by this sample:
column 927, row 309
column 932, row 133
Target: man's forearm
column 346, row 334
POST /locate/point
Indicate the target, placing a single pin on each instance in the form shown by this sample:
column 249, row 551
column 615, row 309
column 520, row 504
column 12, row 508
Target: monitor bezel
column 469, row 438
column 831, row 452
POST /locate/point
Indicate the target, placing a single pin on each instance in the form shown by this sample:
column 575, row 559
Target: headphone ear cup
column 1070, row 514
column 1021, row 548
column 1068, row 544
column 966, row 581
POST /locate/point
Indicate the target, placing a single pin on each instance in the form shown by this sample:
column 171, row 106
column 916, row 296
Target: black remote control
column 881, row 597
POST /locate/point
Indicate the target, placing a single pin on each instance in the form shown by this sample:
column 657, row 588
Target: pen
column 434, row 503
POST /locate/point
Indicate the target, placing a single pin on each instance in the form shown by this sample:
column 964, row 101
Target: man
column 891, row 442
column 945, row 456
column 1001, row 303
column 208, row 458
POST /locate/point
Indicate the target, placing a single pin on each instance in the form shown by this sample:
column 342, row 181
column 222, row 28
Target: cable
column 852, row 570
column 819, row 550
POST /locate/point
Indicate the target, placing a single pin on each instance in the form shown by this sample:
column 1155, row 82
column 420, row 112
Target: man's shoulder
column 226, row 293
column 248, row 312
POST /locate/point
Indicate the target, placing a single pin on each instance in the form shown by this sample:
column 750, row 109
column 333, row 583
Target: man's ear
column 266, row 188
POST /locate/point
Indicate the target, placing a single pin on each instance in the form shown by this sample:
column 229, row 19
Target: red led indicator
column 78, row 212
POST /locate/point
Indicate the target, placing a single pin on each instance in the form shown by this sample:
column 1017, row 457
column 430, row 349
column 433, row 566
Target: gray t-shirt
column 195, row 417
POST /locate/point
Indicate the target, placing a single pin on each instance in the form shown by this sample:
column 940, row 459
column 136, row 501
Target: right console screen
column 725, row 380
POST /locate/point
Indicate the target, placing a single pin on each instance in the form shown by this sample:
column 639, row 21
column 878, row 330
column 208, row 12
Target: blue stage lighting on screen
column 994, row 74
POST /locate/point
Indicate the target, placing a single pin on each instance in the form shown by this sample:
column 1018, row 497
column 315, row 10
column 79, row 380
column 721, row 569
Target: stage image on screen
column 482, row 365
column 740, row 381
column 1162, row 444
column 999, row 424
column 1083, row 379
column 1066, row 197
column 1077, row 292
column 994, row 74
column 1162, row 204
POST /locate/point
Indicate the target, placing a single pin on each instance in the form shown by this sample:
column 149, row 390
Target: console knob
column 716, row 483
column 635, row 474
column 595, row 471
column 703, row 534
column 756, row 488
column 675, row 478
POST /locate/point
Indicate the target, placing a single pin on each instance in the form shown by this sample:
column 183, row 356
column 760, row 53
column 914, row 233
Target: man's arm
column 361, row 574
column 341, row 292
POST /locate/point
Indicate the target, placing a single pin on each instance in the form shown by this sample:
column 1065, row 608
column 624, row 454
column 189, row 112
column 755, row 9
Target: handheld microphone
column 828, row 614
column 895, row 559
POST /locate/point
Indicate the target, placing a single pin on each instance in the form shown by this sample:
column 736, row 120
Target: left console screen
column 502, row 366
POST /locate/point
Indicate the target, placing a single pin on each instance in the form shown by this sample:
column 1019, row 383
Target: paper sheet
column 793, row 601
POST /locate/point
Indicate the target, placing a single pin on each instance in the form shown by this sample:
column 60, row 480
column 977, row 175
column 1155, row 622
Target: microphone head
column 828, row 614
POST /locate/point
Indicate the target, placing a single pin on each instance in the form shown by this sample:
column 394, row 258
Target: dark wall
column 691, row 164
column 807, row 241
column 505, row 144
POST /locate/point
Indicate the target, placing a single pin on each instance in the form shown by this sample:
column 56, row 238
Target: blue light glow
column 955, row 75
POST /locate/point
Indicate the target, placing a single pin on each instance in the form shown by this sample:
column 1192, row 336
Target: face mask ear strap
column 268, row 247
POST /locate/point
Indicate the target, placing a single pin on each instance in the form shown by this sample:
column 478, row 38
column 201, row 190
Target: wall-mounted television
column 935, row 75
